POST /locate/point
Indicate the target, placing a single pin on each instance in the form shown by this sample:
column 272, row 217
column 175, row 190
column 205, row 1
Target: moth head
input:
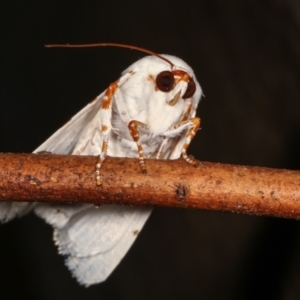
column 174, row 82
column 178, row 84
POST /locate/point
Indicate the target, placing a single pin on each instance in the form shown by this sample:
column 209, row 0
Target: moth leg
column 162, row 148
column 186, row 114
column 111, row 93
column 192, row 125
column 106, row 112
column 133, row 127
column 189, row 136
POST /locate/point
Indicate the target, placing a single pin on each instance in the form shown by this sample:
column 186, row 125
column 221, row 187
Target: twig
column 70, row 179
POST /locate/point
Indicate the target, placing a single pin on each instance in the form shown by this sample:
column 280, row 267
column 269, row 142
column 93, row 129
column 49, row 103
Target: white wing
column 10, row 210
column 94, row 240
column 61, row 142
column 64, row 139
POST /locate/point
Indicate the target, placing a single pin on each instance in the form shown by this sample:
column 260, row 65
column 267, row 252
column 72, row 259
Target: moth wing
column 10, row 210
column 65, row 139
column 95, row 240
column 62, row 141
column 58, row 215
column 81, row 135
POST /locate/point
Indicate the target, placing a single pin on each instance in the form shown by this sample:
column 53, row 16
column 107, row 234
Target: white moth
column 148, row 113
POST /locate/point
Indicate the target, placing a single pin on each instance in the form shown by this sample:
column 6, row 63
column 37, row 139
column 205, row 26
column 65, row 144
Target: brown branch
column 65, row 179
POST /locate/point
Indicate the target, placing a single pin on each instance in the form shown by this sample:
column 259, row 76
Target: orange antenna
column 110, row 45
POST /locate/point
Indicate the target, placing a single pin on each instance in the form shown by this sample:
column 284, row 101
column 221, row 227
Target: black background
column 246, row 57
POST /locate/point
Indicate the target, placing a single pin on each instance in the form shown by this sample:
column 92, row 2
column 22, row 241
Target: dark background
column 246, row 57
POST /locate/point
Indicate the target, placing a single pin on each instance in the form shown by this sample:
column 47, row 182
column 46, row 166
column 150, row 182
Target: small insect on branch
column 169, row 183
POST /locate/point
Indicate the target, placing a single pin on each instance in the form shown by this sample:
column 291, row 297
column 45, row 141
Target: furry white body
column 95, row 240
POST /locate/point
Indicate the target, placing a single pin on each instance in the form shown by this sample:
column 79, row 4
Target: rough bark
column 70, row 179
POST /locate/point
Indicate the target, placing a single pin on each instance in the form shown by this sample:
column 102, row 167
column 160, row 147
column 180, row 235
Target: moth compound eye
column 165, row 81
column 191, row 89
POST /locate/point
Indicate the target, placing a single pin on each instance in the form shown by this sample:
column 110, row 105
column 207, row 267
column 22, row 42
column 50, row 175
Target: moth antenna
column 111, row 45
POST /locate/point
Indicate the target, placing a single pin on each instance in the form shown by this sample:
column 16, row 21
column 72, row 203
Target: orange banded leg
column 106, row 108
column 134, row 132
column 111, row 94
column 190, row 135
column 162, row 148
column 100, row 161
column 184, row 119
